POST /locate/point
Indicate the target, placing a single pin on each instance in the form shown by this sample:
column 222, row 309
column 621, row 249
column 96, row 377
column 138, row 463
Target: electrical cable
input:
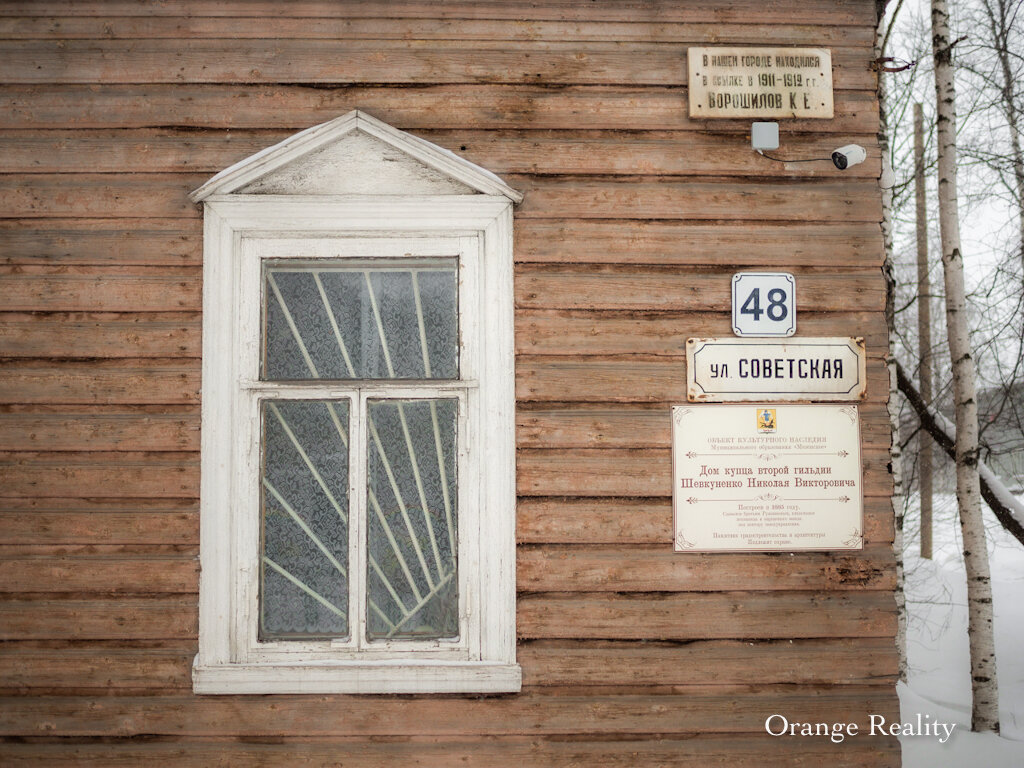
column 801, row 160
column 808, row 160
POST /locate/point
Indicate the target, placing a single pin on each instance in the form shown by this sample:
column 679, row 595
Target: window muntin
column 408, row 511
column 412, row 531
column 338, row 320
column 361, row 324
column 304, row 584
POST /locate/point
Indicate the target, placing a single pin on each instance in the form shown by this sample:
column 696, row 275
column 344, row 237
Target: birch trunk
column 881, row 41
column 924, row 333
column 1000, row 16
column 985, row 709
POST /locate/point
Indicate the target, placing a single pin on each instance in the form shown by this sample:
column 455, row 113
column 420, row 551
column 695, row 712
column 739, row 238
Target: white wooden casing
column 241, row 230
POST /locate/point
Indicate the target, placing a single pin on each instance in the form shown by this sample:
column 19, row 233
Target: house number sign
column 763, row 304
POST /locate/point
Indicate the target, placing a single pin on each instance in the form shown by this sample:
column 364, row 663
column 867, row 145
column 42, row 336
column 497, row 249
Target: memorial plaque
column 760, row 82
column 741, row 369
column 766, row 478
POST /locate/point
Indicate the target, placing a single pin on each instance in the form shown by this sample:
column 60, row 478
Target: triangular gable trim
column 270, row 159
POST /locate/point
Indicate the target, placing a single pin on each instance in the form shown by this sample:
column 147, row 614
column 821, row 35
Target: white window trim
column 484, row 660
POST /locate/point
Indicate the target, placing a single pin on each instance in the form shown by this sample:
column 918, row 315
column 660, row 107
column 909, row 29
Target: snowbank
column 938, row 670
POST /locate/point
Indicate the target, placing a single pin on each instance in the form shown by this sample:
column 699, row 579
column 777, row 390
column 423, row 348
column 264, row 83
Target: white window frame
column 240, row 232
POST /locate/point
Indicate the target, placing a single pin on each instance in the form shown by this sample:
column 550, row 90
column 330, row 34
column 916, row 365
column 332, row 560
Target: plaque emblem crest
column 766, row 420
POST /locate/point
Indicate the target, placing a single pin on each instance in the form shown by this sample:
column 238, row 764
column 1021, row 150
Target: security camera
column 848, row 156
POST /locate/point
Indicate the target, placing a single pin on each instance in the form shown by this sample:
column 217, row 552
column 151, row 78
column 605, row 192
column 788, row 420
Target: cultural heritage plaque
column 722, row 370
column 766, row 477
column 760, row 82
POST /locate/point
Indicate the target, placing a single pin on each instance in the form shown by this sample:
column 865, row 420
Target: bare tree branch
column 1008, row 510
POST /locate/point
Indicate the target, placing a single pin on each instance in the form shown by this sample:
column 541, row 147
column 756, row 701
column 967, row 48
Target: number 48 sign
column 763, row 304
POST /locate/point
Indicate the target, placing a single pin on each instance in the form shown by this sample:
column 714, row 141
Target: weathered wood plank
column 174, row 242
column 348, row 61
column 95, row 551
column 120, row 429
column 644, row 616
column 126, row 242
column 633, row 521
column 113, row 575
column 584, row 332
column 106, row 669
column 659, row 569
column 623, row 241
column 635, row 427
column 532, row 714
column 99, row 195
column 102, row 289
column 843, row 12
column 545, row 663
column 166, row 195
column 615, row 198
column 130, row 151
column 601, row 153
column 596, row 287
column 654, row 154
column 711, row 662
column 114, row 475
column 708, row 751
column 545, row 379
column 734, row 751
column 635, row 472
column 51, row 521
column 594, row 520
column 175, row 528
column 541, row 569
column 608, row 288
column 106, row 381
column 700, row 616
column 538, row 379
column 538, row 332
column 305, row 28
column 539, row 472
column 163, row 618
column 479, row 107
column 63, row 334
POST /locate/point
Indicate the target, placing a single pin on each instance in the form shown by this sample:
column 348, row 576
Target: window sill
column 398, row 676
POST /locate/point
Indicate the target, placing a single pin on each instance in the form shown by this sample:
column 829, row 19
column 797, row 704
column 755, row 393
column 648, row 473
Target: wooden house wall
column 634, row 219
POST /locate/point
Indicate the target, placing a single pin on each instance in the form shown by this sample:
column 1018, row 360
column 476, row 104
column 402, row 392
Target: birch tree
column 985, row 707
column 993, row 65
column 1000, row 71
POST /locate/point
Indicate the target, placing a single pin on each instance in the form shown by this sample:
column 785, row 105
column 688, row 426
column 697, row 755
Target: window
column 357, row 498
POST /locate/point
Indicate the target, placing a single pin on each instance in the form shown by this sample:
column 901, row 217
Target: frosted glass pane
column 337, row 321
column 412, row 580
column 304, row 550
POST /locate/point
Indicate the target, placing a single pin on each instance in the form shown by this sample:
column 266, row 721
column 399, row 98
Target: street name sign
column 721, row 370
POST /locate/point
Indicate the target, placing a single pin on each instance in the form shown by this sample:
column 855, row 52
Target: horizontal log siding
column 506, row 152
column 713, row 750
column 469, row 107
column 634, row 219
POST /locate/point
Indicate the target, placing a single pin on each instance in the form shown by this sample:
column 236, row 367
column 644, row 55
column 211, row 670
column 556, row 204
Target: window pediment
column 355, row 154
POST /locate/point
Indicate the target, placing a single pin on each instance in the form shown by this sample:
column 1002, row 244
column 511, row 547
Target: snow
column 938, row 673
